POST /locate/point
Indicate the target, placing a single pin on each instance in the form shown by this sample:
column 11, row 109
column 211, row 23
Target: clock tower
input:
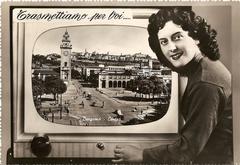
column 65, row 70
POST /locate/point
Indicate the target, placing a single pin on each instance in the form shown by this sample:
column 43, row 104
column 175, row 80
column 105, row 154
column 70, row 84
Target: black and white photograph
column 89, row 79
column 120, row 84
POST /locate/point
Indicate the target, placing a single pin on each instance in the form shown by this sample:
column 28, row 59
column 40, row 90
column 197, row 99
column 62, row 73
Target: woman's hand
column 127, row 153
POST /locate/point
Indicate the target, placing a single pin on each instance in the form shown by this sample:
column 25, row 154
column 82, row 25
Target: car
column 119, row 114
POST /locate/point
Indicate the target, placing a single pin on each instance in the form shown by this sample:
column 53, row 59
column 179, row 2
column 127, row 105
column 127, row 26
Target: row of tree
column 40, row 60
column 52, row 85
column 151, row 86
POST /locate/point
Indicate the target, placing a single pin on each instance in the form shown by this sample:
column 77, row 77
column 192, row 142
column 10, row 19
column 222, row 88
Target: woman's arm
column 204, row 100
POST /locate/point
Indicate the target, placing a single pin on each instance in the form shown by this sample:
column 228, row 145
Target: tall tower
column 65, row 47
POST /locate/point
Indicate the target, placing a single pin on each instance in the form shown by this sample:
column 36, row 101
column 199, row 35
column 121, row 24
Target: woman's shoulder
column 213, row 72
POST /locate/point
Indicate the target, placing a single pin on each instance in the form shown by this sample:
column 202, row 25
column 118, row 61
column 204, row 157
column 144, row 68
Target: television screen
column 89, row 75
column 98, row 76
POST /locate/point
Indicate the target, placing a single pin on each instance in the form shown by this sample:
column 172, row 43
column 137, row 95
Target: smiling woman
column 187, row 44
column 177, row 46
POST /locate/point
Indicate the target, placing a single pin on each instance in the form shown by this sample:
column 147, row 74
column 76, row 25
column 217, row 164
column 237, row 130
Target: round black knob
column 41, row 146
column 100, row 146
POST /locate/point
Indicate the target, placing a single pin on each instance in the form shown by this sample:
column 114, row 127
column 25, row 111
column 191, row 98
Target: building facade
column 114, row 80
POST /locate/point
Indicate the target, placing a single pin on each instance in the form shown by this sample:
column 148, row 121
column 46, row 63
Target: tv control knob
column 41, row 146
column 100, row 145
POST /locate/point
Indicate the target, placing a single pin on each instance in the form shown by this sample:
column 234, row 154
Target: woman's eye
column 163, row 42
column 177, row 37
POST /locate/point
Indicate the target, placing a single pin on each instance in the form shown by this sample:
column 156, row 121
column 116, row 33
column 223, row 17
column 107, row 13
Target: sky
column 113, row 39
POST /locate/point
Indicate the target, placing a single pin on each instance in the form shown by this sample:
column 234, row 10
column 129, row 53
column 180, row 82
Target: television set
column 34, row 137
column 88, row 84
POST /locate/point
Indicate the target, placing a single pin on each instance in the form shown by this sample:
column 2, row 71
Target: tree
column 38, row 59
column 130, row 72
column 93, row 79
column 151, row 88
column 158, row 85
column 38, row 88
column 144, row 87
column 75, row 74
column 62, row 88
column 57, row 69
column 153, row 85
column 55, row 85
column 132, row 85
column 159, row 88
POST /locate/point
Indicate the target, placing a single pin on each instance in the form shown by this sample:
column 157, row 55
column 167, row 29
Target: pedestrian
column 102, row 104
column 82, row 104
column 52, row 117
column 187, row 44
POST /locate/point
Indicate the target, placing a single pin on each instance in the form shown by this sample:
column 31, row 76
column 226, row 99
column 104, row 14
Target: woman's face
column 176, row 45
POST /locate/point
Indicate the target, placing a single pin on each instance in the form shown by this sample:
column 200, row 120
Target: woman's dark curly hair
column 196, row 26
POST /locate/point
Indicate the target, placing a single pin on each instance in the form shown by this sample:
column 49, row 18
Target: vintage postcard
column 111, row 83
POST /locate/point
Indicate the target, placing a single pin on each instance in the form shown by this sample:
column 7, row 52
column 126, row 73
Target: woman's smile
column 176, row 56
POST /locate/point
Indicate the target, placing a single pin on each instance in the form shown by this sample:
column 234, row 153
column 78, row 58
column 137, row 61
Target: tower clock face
column 65, row 53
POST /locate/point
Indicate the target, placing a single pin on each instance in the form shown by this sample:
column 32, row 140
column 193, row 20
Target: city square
column 92, row 89
column 97, row 107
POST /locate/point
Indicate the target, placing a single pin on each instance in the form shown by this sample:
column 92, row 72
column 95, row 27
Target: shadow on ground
column 161, row 110
column 130, row 98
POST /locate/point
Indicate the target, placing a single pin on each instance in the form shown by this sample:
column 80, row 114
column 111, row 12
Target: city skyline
column 115, row 40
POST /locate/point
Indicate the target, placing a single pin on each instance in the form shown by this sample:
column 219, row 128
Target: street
column 85, row 106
